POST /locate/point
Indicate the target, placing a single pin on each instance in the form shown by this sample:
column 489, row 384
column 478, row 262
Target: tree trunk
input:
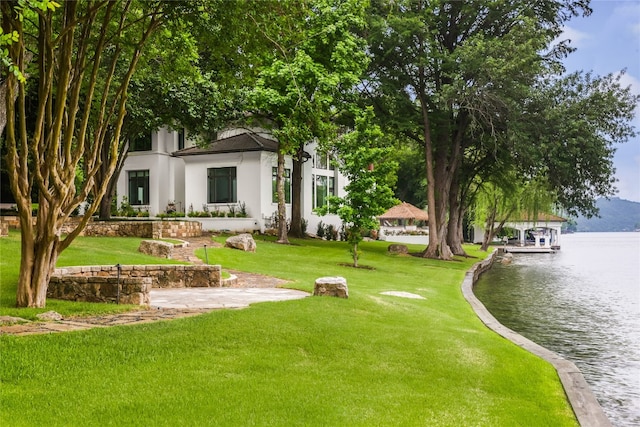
column 104, row 211
column 488, row 230
column 432, row 250
column 491, row 230
column 105, row 206
column 104, row 173
column 282, row 207
column 3, row 104
column 38, row 253
column 355, row 255
column 454, row 231
column 442, row 160
column 295, row 230
column 442, row 184
column 456, row 214
column 37, row 261
column 47, row 158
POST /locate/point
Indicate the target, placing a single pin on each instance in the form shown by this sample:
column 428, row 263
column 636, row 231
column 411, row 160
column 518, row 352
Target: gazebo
column 402, row 217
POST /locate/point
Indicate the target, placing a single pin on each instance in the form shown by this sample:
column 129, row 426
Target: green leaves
column 308, row 66
column 569, row 132
column 7, row 39
column 364, row 158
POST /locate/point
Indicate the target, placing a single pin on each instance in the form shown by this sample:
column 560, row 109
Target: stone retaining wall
column 133, row 290
column 144, row 229
column 114, row 229
column 10, row 222
column 178, row 229
column 4, row 229
column 100, row 283
column 140, row 228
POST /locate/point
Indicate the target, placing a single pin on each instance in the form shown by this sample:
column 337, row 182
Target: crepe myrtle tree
column 365, row 160
column 84, row 56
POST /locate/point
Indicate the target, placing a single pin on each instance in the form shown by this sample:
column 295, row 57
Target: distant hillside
column 615, row 215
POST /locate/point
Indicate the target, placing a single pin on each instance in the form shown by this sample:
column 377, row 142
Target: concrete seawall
column 585, row 405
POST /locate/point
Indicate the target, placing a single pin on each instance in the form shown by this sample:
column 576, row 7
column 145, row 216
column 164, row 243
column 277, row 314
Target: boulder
column 398, row 249
column 332, row 287
column 49, row 316
column 243, row 242
column 156, row 248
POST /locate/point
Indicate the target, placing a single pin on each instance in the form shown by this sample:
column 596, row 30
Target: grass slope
column 369, row 360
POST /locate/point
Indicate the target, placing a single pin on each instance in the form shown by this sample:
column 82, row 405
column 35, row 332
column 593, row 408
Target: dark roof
column 235, row 144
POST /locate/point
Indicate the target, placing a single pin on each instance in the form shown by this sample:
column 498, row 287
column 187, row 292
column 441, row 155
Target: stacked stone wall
column 4, row 229
column 132, row 290
column 12, row 222
column 482, row 267
column 178, row 229
column 118, row 229
column 140, row 228
column 100, row 283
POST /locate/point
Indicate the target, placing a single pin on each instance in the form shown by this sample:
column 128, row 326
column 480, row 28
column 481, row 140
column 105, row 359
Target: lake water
column 582, row 302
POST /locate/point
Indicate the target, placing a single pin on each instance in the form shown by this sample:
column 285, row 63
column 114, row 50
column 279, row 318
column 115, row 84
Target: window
column 180, row 139
column 140, row 143
column 139, row 187
column 323, row 161
column 287, row 185
column 323, row 186
column 221, row 185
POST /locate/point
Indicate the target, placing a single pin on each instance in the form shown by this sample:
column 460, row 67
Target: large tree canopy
column 568, row 134
column 452, row 75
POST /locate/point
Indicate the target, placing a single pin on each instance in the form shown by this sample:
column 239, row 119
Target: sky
column 608, row 41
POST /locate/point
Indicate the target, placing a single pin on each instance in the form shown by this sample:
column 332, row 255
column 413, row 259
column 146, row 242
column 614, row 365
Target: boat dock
column 530, row 249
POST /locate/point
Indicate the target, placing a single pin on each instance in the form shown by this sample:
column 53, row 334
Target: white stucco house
column 238, row 169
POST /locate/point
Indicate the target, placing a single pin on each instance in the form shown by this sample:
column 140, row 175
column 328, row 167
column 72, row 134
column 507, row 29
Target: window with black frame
column 140, row 143
column 181, row 138
column 221, row 185
column 139, row 187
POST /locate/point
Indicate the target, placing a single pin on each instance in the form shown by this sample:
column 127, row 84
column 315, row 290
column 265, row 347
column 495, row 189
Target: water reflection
column 583, row 303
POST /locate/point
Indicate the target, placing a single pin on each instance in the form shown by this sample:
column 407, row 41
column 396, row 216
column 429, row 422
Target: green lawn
column 83, row 251
column 369, row 360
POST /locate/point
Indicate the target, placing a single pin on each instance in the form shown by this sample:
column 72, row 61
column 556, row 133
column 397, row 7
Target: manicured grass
column 83, row 251
column 368, row 360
